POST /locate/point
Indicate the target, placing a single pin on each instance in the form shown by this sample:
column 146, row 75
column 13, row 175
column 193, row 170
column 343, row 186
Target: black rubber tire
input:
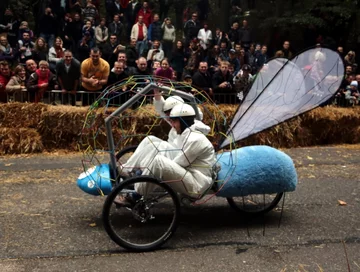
column 237, row 203
column 138, row 247
column 124, row 151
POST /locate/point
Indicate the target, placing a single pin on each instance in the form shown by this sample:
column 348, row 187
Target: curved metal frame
column 139, row 95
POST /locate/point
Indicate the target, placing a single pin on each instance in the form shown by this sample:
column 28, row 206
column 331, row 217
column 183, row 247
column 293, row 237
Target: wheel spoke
column 255, row 204
column 145, row 223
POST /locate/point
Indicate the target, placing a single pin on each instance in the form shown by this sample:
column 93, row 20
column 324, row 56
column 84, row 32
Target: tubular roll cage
column 139, row 95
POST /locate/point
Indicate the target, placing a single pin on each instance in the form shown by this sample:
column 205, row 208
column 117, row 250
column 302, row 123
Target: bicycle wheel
column 149, row 222
column 124, row 154
column 254, row 204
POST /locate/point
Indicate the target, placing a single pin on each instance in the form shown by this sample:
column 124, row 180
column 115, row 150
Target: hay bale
column 26, row 115
column 331, row 125
column 19, row 141
column 60, row 126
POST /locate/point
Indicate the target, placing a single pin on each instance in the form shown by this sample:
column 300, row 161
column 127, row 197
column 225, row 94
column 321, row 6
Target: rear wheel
column 255, row 204
column 149, row 221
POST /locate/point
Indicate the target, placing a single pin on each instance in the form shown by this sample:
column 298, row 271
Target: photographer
column 222, row 83
column 48, row 27
column 155, row 54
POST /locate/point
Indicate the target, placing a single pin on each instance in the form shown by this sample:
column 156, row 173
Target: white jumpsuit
column 190, row 172
column 150, row 146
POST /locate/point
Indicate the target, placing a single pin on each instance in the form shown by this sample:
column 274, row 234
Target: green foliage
column 322, row 14
column 22, row 7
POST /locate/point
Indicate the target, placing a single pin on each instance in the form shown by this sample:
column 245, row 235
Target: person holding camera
column 155, row 54
column 222, row 83
column 48, row 27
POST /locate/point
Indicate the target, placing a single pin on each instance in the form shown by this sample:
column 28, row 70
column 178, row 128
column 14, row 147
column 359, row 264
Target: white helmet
column 171, row 102
column 182, row 110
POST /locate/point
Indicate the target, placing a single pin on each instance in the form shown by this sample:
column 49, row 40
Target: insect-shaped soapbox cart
column 253, row 179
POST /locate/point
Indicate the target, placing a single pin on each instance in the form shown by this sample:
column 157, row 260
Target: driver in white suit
column 191, row 170
column 152, row 145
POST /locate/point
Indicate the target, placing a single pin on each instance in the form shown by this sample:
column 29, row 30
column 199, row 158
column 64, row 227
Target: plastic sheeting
column 284, row 89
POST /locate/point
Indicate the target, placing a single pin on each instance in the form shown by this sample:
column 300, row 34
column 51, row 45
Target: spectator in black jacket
column 191, row 29
column 48, row 27
column 131, row 13
column 10, row 25
column 120, row 94
column 131, row 54
column 111, row 49
column 234, row 33
column 155, row 31
column 116, row 27
column 141, row 68
column 246, row 35
column 68, row 74
column 262, row 58
column 84, row 47
column 30, row 67
column 222, row 82
column 202, row 80
column 25, row 48
column 127, row 69
column 76, row 31
column 66, row 29
column 41, row 51
column 115, row 8
column 117, row 73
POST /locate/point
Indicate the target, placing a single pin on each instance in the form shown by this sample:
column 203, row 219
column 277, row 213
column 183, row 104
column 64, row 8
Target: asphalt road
column 48, row 224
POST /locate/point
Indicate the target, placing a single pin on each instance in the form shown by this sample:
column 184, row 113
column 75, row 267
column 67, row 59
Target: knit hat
column 354, row 83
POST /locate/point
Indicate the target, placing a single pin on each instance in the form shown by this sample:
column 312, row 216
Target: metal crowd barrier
column 83, row 98
column 57, row 97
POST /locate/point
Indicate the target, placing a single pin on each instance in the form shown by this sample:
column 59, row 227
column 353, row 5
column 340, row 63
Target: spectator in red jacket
column 41, row 81
column 145, row 12
column 5, row 75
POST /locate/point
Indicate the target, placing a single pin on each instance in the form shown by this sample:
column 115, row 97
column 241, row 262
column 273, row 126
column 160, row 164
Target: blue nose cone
column 96, row 180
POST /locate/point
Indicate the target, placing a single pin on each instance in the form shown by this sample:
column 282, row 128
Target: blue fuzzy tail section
column 255, row 170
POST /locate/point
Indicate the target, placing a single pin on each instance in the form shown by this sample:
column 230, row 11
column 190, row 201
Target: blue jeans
column 49, row 38
column 141, row 46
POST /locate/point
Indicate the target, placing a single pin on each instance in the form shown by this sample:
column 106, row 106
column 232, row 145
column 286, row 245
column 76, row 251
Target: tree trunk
column 224, row 14
column 280, row 5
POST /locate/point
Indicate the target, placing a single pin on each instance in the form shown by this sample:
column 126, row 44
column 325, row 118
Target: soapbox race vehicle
column 253, row 179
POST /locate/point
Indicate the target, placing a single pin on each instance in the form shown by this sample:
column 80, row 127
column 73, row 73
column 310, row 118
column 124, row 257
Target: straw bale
column 331, row 125
column 355, row 133
column 18, row 114
column 61, row 125
column 20, row 140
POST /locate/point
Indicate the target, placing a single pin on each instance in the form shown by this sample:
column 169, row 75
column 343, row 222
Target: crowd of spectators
column 75, row 48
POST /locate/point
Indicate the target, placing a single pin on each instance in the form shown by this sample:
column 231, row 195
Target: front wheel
column 255, row 204
column 149, row 221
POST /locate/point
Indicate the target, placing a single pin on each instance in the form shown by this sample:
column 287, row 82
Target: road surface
column 48, row 224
